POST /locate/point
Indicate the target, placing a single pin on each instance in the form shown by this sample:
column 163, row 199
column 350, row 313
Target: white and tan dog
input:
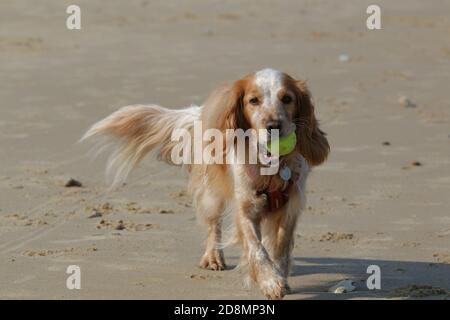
column 265, row 208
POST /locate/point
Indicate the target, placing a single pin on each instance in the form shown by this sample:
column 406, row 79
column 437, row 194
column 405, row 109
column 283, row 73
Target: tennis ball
column 286, row 144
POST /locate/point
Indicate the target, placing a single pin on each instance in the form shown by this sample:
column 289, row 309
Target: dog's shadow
column 311, row 278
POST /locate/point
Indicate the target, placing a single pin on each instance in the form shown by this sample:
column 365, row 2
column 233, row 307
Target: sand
column 382, row 96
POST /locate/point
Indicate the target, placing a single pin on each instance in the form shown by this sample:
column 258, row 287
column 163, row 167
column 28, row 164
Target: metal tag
column 285, row 173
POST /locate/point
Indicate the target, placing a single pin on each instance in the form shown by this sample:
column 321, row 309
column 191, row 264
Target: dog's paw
column 213, row 260
column 274, row 288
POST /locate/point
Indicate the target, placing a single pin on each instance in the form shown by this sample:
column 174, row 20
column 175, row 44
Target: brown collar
column 276, row 199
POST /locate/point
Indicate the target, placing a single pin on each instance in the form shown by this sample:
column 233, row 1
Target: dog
column 264, row 208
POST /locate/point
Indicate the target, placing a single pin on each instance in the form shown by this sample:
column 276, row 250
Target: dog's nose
column 273, row 125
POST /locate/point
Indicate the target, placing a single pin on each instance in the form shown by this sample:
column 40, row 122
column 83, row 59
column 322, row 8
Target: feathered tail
column 139, row 129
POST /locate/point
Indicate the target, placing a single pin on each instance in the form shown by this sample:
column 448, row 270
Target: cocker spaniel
column 264, row 207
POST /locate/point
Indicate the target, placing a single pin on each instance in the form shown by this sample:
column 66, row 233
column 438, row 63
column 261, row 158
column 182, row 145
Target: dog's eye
column 286, row 99
column 254, row 101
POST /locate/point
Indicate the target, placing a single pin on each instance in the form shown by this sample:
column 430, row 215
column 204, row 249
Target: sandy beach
column 382, row 198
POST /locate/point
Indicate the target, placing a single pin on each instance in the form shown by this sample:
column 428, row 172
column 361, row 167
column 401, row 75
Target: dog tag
column 285, row 173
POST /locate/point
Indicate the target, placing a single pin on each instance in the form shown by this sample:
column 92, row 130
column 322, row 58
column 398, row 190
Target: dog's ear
column 312, row 142
column 224, row 108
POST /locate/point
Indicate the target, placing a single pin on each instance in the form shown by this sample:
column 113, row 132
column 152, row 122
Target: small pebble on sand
column 96, row 214
column 73, row 183
column 120, row 225
column 344, row 57
column 406, row 102
column 343, row 286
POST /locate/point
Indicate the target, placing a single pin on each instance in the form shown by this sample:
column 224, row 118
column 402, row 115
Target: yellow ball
column 286, row 144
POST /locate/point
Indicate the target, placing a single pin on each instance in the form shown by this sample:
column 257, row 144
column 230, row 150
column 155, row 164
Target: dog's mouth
column 265, row 156
column 285, row 142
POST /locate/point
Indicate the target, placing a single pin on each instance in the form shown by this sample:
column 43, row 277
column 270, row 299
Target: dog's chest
column 276, row 188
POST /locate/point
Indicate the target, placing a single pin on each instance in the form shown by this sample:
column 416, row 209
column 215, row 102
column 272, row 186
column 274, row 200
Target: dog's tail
column 136, row 130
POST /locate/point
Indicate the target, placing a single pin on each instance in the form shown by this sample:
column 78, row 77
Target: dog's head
column 270, row 99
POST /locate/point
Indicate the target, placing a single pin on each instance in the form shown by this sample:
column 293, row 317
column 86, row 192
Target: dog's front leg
column 261, row 268
column 284, row 241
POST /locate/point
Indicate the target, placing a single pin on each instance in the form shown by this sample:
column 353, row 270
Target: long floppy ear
column 224, row 108
column 312, row 142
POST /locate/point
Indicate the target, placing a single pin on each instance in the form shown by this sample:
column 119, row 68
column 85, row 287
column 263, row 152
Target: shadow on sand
column 394, row 275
